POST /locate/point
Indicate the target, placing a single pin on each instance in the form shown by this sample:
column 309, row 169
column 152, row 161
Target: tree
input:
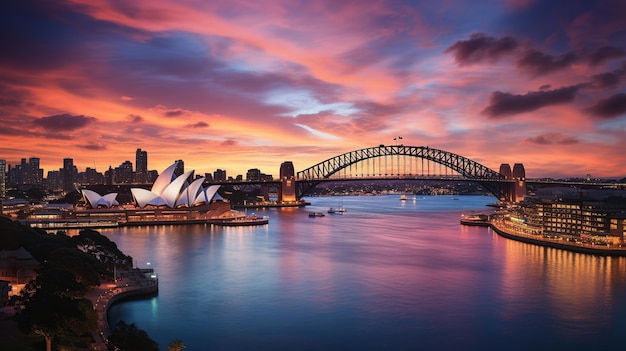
column 49, row 306
column 127, row 337
column 176, row 345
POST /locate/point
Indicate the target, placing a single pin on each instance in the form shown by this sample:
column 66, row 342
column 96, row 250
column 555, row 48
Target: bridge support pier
column 516, row 191
column 287, row 187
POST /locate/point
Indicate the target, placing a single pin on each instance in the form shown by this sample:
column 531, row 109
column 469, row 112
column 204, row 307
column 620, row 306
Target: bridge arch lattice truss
column 468, row 169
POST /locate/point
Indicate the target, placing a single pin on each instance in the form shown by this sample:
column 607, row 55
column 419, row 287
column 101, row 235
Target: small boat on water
column 244, row 221
column 403, row 197
column 339, row 209
column 316, row 214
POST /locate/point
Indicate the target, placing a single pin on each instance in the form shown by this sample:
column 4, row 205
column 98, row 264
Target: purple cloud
column 64, row 122
column 505, row 104
column 539, row 63
column 175, row 113
column 197, row 125
column 605, row 53
column 611, row 107
column 480, row 48
column 93, row 146
column 134, row 118
column 551, row 139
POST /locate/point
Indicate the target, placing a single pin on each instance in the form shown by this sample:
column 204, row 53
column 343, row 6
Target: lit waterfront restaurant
column 592, row 216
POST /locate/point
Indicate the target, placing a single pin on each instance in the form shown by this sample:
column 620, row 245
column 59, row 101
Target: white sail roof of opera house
column 171, row 191
column 96, row 200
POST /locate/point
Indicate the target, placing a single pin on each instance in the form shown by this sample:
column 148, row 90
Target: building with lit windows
column 3, row 179
column 589, row 217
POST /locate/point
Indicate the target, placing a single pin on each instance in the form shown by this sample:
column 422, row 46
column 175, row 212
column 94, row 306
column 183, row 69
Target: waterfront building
column 96, row 200
column 589, row 217
column 175, row 191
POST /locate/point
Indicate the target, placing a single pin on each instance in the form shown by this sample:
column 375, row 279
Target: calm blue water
column 386, row 275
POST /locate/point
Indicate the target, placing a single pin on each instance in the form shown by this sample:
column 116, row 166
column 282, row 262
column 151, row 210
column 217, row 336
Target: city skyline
column 238, row 85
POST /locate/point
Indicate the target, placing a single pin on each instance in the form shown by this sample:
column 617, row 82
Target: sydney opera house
column 172, row 199
column 167, row 191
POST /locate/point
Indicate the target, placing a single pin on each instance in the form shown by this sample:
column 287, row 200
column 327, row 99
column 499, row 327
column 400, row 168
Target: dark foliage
column 127, row 337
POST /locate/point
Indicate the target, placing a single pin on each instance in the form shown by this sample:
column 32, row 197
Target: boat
column 339, row 209
column 478, row 219
column 316, row 214
column 403, row 197
column 244, row 221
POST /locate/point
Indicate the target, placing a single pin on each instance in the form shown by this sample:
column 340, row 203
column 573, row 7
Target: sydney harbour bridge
column 396, row 162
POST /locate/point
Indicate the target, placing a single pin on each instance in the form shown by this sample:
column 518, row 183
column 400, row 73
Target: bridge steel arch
column 469, row 169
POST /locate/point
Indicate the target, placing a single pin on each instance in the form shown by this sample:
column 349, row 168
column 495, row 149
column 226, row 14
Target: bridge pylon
column 287, row 187
column 515, row 191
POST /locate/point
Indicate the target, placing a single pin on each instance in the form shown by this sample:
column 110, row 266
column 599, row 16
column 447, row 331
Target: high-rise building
column 124, row 173
column 141, row 164
column 3, row 179
column 141, row 161
column 54, row 180
column 67, row 174
column 253, row 174
column 219, row 175
column 36, row 173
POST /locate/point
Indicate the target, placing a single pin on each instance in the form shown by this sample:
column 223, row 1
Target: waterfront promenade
column 129, row 283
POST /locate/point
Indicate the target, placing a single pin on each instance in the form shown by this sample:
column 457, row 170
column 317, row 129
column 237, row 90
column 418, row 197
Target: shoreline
column 131, row 283
column 556, row 244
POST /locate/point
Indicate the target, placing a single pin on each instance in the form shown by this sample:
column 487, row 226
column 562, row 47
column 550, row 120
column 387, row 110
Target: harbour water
column 385, row 275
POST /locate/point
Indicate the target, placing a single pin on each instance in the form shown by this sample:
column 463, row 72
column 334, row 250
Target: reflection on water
column 385, row 275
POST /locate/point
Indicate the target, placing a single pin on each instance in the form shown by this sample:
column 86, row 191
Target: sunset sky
column 250, row 84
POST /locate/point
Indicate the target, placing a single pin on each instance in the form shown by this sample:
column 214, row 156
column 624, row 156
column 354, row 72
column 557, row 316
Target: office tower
column 67, row 174
column 219, row 175
column 35, row 173
column 253, row 174
column 141, row 164
column 3, row 180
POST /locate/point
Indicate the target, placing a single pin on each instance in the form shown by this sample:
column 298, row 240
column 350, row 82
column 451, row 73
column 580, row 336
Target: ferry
column 339, row 209
column 244, row 221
